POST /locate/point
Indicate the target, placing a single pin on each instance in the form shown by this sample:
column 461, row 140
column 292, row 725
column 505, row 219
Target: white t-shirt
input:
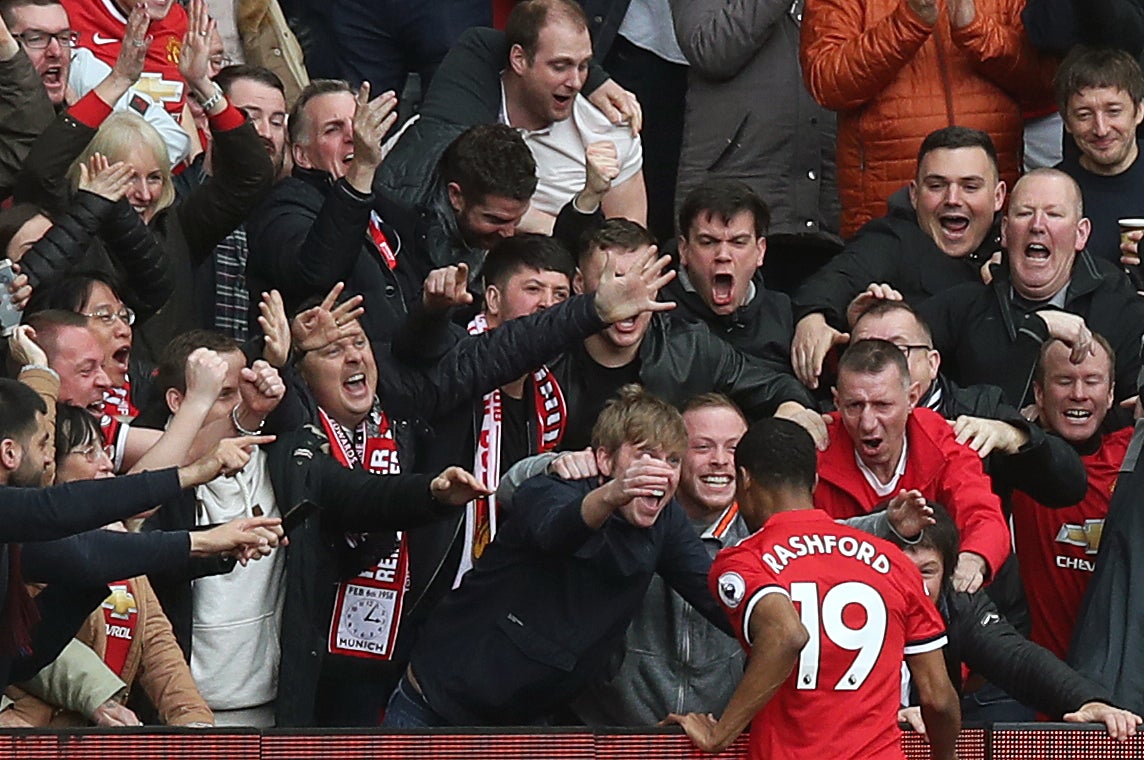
column 559, row 152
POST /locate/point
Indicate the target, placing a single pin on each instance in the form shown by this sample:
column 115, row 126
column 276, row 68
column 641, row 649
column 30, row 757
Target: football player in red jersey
column 834, row 609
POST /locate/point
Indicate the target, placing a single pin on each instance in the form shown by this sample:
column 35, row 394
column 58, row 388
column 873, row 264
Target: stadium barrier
column 1008, row 741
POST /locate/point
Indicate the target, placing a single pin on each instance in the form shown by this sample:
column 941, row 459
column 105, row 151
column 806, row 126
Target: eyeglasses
column 37, row 40
column 220, row 61
column 905, row 348
column 92, row 451
column 108, row 317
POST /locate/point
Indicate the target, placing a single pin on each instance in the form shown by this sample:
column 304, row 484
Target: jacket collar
column 1085, row 278
column 837, row 465
column 322, row 180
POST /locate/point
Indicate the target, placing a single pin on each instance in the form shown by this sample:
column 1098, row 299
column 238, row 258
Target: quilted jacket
column 893, row 79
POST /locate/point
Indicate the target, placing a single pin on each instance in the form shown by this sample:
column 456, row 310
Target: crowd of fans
column 323, row 408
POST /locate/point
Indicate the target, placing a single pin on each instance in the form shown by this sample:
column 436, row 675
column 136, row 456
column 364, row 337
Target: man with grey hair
column 1051, row 288
column 323, row 224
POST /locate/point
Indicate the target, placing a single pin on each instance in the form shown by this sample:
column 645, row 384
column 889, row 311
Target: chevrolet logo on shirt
column 157, row 88
column 1087, row 535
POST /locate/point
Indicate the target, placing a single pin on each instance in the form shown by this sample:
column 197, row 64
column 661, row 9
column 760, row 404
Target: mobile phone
column 297, row 514
column 10, row 316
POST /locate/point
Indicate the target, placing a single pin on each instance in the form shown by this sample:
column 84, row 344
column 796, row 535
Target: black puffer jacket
column 95, row 233
column 188, row 231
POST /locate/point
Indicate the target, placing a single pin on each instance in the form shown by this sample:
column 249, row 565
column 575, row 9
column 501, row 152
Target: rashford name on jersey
column 809, row 544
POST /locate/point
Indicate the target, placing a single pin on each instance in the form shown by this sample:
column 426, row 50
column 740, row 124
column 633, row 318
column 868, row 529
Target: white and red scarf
column 367, row 609
column 551, row 420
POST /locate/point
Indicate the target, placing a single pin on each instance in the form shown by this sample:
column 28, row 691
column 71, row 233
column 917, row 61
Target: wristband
column 238, row 425
column 210, row 102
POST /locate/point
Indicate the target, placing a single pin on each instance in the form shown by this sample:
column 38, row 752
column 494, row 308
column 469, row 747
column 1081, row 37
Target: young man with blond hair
column 540, row 612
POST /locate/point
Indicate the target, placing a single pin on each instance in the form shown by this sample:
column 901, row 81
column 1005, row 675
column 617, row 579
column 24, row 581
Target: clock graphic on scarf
column 367, row 618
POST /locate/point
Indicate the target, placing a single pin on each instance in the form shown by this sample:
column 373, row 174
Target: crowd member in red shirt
column 835, row 610
column 1057, row 547
column 880, row 444
column 101, row 24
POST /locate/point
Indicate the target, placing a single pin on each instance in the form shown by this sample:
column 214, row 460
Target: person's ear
column 456, row 197
column 174, row 400
column 999, row 196
column 492, row 300
column 517, row 60
column 11, row 454
column 298, row 153
column 604, row 462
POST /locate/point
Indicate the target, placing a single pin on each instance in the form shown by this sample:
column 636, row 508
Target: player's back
column 864, row 607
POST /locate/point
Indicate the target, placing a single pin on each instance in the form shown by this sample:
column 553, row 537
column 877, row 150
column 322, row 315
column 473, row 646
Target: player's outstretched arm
column 776, row 627
column 941, row 709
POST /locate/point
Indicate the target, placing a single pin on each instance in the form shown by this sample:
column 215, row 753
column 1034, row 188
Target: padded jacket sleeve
column 845, row 65
column 991, row 646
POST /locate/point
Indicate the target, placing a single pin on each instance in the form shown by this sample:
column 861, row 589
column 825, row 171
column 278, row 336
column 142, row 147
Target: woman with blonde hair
column 187, row 228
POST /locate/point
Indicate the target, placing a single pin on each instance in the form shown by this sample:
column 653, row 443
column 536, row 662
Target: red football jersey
column 1056, row 548
column 865, row 607
column 100, row 25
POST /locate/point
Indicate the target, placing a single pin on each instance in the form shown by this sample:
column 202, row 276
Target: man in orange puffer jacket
column 896, row 70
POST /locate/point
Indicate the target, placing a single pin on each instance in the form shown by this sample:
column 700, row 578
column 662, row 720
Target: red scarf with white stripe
column 551, row 420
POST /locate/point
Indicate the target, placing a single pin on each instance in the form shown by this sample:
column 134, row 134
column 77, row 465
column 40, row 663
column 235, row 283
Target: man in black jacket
column 323, row 224
column 539, row 614
column 722, row 243
column 985, row 641
column 254, row 636
column 671, row 357
column 376, row 416
column 938, row 233
column 1051, row 288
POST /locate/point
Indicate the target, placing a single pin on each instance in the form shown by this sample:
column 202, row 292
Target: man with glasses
column 880, row 445
column 75, row 79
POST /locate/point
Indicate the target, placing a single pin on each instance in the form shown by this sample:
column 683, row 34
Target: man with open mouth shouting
column 880, row 444
column 1052, row 288
column 539, row 614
